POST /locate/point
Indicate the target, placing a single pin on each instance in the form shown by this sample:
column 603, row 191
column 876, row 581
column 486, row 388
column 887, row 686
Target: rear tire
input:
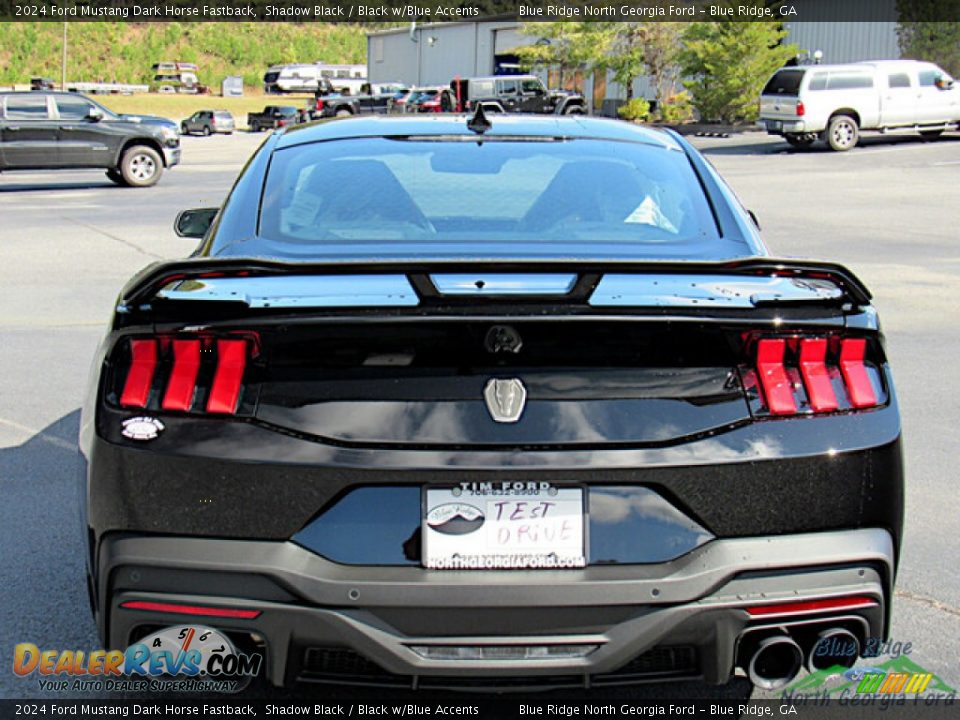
column 183, row 130
column 115, row 177
column 843, row 133
column 206, row 131
column 342, row 112
column 574, row 110
column 141, row 166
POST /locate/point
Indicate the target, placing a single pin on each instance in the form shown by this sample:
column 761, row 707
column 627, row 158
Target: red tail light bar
column 136, row 391
column 168, row 371
column 807, row 607
column 814, row 375
column 195, row 610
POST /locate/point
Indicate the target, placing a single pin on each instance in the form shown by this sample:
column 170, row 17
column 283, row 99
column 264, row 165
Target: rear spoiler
column 144, row 287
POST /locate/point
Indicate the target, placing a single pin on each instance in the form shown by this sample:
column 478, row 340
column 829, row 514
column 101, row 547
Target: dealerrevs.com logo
column 183, row 658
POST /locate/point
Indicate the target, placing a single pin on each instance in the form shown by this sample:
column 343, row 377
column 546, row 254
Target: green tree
column 661, row 42
column 928, row 30
column 568, row 46
column 618, row 49
column 728, row 64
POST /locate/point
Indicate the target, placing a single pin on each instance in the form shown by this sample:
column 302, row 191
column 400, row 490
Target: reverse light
column 503, row 652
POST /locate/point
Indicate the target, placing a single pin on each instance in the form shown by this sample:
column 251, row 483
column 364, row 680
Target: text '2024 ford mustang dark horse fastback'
column 445, row 402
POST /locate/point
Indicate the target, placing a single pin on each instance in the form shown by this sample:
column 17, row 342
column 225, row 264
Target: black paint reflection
column 381, row 526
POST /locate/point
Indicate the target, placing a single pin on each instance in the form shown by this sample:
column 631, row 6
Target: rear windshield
column 427, row 191
column 784, row 82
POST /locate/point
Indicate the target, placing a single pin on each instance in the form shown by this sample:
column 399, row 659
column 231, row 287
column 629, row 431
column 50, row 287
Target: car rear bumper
column 322, row 621
column 780, row 127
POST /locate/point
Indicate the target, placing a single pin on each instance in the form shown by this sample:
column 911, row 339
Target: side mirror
column 95, row 114
column 943, row 83
column 194, row 223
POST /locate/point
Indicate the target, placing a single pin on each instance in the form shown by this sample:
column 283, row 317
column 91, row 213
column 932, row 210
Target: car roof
column 43, row 92
column 864, row 66
column 545, row 126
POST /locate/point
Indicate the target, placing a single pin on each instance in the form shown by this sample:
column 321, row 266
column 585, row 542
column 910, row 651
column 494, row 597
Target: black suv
column 62, row 130
column 516, row 94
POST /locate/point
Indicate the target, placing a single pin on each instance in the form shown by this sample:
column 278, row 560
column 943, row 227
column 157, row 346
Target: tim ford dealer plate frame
column 504, row 526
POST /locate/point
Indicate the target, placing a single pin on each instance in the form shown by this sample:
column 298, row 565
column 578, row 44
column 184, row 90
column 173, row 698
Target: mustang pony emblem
column 505, row 399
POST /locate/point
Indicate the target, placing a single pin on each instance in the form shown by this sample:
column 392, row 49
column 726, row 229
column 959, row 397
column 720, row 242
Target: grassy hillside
column 124, row 52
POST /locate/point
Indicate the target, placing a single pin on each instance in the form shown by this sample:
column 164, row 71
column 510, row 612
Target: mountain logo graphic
column 455, row 518
column 896, row 676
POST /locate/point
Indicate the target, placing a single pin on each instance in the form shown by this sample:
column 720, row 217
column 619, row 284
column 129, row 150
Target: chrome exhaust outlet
column 832, row 647
column 775, row 662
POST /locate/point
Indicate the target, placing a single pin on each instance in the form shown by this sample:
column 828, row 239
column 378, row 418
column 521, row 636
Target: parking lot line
column 33, row 433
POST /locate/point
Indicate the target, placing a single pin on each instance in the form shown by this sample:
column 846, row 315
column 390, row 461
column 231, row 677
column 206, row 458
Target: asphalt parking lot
column 68, row 241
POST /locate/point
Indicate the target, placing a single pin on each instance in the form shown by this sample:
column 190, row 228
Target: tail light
column 185, row 373
column 801, row 110
column 281, row 123
column 319, row 104
column 812, row 375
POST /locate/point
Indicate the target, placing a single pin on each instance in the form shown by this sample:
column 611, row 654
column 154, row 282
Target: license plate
column 774, row 125
column 507, row 525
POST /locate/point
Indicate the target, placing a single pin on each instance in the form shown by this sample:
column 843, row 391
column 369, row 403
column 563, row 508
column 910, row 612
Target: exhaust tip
column 776, row 662
column 832, row 647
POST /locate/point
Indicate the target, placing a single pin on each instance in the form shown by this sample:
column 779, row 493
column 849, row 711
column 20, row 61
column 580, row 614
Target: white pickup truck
column 835, row 103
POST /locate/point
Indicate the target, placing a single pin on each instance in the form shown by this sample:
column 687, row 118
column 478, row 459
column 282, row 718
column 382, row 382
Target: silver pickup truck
column 836, row 103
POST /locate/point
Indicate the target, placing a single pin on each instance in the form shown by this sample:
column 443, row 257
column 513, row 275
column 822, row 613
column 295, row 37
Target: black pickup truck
column 273, row 117
column 64, row 130
column 515, row 94
column 376, row 100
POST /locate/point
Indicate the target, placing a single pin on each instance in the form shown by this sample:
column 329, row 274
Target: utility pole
column 63, row 64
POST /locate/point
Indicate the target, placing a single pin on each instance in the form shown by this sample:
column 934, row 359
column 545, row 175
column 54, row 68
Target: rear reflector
column 812, row 606
column 816, row 377
column 225, row 391
column 196, row 610
column 136, row 389
column 183, row 378
column 855, row 377
column 777, row 388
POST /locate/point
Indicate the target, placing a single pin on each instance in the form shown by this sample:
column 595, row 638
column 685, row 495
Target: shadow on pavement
column 94, row 183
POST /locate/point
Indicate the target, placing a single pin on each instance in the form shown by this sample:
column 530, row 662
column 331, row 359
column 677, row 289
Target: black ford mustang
column 438, row 403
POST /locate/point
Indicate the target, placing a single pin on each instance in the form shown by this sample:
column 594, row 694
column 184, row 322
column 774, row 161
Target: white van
column 836, row 102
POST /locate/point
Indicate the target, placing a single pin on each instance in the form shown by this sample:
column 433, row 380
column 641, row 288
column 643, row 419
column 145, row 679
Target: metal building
column 433, row 54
